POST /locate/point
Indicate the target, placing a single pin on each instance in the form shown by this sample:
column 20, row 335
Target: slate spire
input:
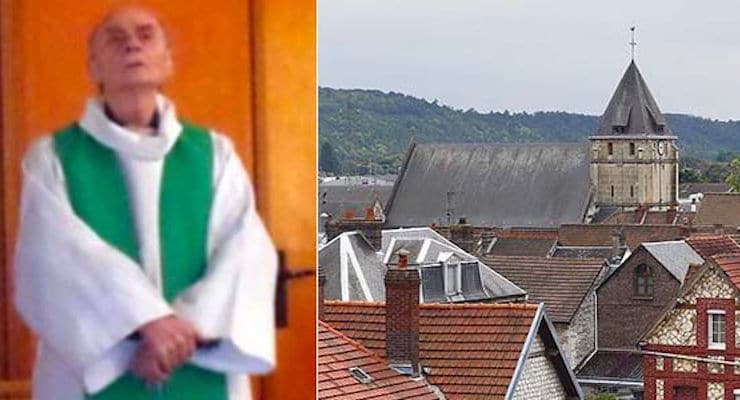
column 632, row 110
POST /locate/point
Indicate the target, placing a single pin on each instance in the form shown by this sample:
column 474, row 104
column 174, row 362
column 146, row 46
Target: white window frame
column 736, row 394
column 710, row 344
column 453, row 288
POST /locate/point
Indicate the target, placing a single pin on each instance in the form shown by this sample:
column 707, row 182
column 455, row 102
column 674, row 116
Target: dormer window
column 453, row 278
column 659, row 129
column 643, row 281
column 618, row 129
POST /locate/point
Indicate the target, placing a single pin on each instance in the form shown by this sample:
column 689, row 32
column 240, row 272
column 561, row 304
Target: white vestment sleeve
column 234, row 301
column 80, row 295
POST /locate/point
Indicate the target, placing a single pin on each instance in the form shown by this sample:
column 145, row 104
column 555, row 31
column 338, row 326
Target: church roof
column 632, row 110
column 492, row 184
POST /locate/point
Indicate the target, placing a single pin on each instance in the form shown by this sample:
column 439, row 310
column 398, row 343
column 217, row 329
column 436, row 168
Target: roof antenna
column 632, row 42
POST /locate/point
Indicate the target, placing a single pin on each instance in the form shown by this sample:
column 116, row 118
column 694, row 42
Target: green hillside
column 367, row 131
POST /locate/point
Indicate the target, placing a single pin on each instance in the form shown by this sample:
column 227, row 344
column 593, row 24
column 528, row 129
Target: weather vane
column 632, row 42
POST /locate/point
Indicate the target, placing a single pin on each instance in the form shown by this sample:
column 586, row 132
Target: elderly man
column 141, row 265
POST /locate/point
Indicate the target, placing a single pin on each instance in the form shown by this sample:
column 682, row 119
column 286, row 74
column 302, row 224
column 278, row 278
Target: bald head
column 129, row 47
column 116, row 12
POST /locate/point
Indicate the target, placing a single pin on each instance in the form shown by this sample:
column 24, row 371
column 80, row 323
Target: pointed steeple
column 632, row 109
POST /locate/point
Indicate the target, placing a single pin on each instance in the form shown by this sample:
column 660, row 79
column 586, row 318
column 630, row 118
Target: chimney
column 372, row 230
column 322, row 281
column 462, row 235
column 617, row 242
column 670, row 215
column 402, row 314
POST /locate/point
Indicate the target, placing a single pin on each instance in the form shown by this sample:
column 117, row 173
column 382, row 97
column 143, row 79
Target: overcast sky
column 535, row 55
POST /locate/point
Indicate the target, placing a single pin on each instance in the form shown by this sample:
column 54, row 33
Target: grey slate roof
column 503, row 185
column 354, row 271
column 632, row 109
column 675, row 256
column 351, row 259
column 335, row 199
column 621, row 365
column 587, row 251
column 521, row 247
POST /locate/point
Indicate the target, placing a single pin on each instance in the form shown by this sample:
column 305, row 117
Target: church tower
column 633, row 157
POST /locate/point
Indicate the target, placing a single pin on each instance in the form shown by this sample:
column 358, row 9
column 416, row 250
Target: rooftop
column 472, row 350
column 560, row 283
column 338, row 353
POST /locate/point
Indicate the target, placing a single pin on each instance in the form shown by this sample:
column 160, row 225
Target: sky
column 527, row 55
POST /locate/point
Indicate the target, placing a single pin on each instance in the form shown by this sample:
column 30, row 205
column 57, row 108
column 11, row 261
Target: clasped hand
column 166, row 343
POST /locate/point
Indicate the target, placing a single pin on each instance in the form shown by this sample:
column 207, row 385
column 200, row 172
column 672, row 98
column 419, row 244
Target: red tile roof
column 561, row 283
column 472, row 349
column 730, row 263
column 708, row 246
column 338, row 353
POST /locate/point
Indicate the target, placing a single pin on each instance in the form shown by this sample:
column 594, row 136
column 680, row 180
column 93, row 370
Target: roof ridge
column 480, row 306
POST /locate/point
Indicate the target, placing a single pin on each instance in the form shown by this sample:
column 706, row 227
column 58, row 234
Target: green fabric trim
column 98, row 193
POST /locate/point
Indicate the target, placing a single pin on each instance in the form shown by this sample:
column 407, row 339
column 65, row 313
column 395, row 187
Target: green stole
column 97, row 191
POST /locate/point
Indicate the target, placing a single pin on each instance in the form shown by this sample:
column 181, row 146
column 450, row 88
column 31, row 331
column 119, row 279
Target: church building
column 633, row 155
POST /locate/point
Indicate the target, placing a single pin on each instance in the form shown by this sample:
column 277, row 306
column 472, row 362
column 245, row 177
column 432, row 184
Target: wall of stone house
column 577, row 340
column 679, row 328
column 539, row 379
column 622, row 316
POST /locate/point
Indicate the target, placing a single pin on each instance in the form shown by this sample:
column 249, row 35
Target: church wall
column 640, row 178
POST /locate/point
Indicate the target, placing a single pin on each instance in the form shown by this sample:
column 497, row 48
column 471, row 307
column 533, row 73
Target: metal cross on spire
column 632, row 42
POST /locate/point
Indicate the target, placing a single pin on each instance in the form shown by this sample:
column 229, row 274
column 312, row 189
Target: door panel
column 285, row 115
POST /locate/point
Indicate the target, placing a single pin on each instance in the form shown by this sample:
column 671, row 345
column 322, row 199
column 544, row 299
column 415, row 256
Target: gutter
column 636, row 384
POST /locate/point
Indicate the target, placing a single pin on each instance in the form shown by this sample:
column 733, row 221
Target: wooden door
column 216, row 83
column 285, row 109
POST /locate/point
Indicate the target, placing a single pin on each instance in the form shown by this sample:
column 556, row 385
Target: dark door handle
column 285, row 275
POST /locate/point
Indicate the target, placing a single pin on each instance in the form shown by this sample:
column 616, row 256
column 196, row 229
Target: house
column 628, row 301
column 353, row 198
column 483, row 351
column 347, row 370
column 522, row 242
column 709, row 245
column 633, row 234
column 691, row 194
column 693, row 350
column 355, row 268
column 566, row 287
column 720, row 209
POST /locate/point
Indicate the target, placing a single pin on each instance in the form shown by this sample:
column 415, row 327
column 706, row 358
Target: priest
column 141, row 262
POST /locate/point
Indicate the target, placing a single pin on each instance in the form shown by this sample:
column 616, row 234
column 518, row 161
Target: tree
column 686, row 175
column 328, row 161
column 733, row 178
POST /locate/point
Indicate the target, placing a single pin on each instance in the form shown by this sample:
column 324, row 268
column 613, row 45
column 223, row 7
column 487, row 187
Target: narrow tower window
column 612, row 191
column 632, row 149
column 632, row 191
column 610, row 148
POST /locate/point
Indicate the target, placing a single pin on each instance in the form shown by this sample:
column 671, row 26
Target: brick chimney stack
column 321, row 281
column 617, row 242
column 670, row 215
column 462, row 235
column 402, row 314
